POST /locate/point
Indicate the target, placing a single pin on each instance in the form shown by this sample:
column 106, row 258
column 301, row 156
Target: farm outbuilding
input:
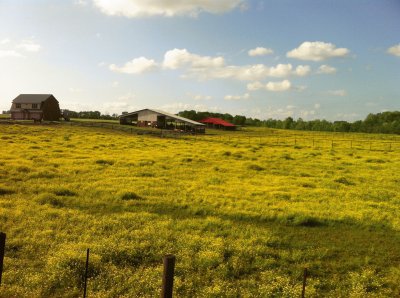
column 218, row 123
column 160, row 119
column 35, row 107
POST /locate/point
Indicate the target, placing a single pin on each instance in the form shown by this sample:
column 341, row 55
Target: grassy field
column 244, row 212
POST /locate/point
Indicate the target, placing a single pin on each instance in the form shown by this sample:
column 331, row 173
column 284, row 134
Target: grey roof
column 31, row 98
column 165, row 114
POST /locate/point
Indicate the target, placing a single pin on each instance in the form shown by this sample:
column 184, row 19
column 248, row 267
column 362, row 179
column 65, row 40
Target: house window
column 18, row 105
column 34, row 106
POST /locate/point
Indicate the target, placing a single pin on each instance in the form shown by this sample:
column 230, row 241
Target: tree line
column 89, row 115
column 385, row 122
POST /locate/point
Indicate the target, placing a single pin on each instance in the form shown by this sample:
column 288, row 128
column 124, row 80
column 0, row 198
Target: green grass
column 243, row 215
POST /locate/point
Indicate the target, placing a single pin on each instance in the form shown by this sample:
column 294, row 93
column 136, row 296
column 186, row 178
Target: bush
column 49, row 199
column 255, row 168
column 127, row 196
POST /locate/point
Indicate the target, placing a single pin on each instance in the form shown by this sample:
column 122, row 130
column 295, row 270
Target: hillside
column 244, row 212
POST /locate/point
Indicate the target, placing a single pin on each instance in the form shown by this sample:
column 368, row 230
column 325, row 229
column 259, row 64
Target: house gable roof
column 32, row 98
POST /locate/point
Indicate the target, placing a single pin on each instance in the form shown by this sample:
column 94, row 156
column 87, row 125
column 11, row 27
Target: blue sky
column 338, row 60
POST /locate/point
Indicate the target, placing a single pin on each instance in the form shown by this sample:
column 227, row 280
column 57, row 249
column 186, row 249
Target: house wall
column 28, row 106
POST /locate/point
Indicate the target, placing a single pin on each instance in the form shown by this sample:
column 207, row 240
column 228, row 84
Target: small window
column 34, row 106
column 18, row 105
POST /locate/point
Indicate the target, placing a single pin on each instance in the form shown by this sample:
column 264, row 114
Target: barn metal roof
column 165, row 114
column 217, row 121
column 31, row 98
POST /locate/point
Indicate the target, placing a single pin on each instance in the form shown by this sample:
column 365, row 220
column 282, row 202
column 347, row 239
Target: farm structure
column 218, row 123
column 160, row 119
column 35, row 107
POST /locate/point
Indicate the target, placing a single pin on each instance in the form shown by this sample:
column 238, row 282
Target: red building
column 218, row 123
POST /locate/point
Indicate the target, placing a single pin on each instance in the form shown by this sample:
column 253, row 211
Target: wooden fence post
column 303, row 292
column 168, row 276
column 2, row 250
column 86, row 273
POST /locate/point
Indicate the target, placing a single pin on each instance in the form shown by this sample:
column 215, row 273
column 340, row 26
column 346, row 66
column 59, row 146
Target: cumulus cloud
column 176, row 107
column 170, row 8
column 395, row 50
column 178, row 58
column 200, row 97
column 10, row 53
column 211, row 67
column 317, row 51
column 284, row 85
column 338, row 92
column 29, row 46
column 135, row 66
column 326, row 69
column 5, row 41
column 237, row 97
column 260, row 51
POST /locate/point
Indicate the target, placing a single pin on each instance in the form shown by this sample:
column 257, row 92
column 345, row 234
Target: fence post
column 2, row 250
column 332, row 144
column 168, row 276
column 86, row 273
column 303, row 292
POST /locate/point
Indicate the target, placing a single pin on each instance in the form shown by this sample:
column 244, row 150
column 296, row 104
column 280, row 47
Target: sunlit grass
column 244, row 212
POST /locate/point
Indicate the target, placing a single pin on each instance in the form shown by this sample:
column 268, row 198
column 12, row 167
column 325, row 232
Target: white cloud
column 136, row 66
column 80, row 2
column 395, row 50
column 10, row 53
column 170, row 8
column 278, row 86
column 29, row 46
column 302, row 70
column 178, row 58
column 326, row 69
column 75, row 90
column 5, row 41
column 317, row 106
column 127, row 97
column 284, row 85
column 317, row 51
column 115, row 84
column 200, row 97
column 260, row 51
column 338, row 92
column 237, row 97
column 255, row 86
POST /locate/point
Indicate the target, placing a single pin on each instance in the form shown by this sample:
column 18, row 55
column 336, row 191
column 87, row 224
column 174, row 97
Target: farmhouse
column 159, row 119
column 35, row 107
column 218, row 123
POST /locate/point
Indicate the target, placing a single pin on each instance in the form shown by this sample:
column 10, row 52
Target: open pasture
column 244, row 212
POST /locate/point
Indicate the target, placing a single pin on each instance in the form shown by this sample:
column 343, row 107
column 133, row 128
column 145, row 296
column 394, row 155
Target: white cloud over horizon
column 326, row 69
column 135, row 66
column 317, row 51
column 284, row 85
column 259, row 51
column 208, row 67
column 237, row 97
column 394, row 50
column 170, row 8
column 339, row 92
